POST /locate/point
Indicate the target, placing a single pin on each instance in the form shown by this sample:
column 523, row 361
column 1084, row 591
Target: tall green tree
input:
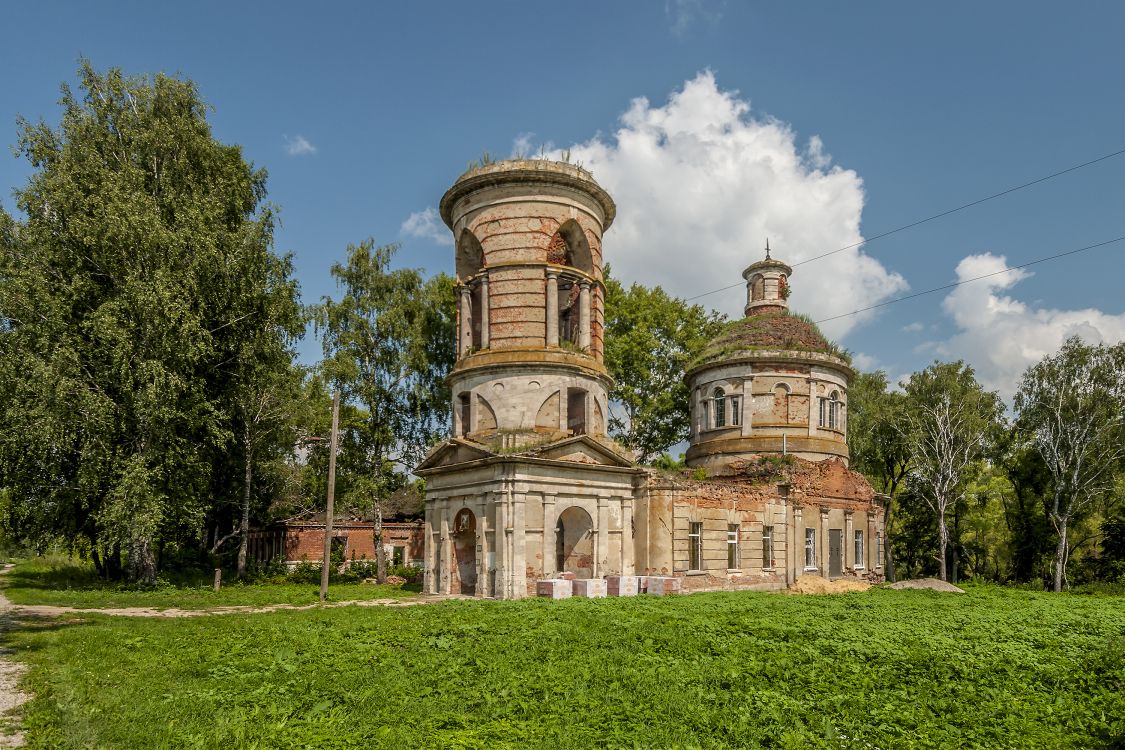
column 876, row 415
column 650, row 337
column 130, row 291
column 1072, row 402
column 950, row 420
column 388, row 345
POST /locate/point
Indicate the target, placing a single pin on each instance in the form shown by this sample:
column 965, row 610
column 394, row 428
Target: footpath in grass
column 62, row 582
column 885, row 669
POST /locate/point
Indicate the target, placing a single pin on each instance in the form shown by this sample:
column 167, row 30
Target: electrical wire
column 975, row 278
column 942, row 214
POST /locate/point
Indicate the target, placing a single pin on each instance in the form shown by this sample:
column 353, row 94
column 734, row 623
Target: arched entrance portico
column 464, row 568
column 574, row 543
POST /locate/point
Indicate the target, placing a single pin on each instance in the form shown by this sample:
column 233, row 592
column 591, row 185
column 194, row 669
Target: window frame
column 858, row 549
column 719, row 396
column 734, row 546
column 768, row 562
column 878, row 549
column 695, row 546
column 810, row 548
column 735, row 411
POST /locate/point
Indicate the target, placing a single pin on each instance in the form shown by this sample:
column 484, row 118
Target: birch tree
column 1074, row 405
column 948, row 422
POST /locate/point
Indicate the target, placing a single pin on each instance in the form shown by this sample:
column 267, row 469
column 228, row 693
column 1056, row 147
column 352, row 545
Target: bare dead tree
column 1074, row 405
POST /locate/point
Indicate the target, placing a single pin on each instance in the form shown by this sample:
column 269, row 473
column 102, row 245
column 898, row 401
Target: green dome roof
column 781, row 331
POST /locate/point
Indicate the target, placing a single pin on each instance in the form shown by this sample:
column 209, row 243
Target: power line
column 975, row 278
column 932, row 218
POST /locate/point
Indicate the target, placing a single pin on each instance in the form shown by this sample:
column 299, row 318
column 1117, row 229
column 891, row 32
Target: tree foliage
column 388, row 345
column 1072, row 403
column 650, row 337
column 134, row 294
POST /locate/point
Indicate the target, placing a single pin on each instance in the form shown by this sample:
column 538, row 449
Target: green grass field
column 63, row 582
column 883, row 669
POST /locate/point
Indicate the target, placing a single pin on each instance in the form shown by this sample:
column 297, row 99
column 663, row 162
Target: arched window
column 757, row 288
column 834, row 411
column 569, row 247
column 720, row 399
column 470, row 255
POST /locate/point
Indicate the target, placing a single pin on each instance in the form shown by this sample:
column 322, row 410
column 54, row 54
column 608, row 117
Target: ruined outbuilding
column 530, row 486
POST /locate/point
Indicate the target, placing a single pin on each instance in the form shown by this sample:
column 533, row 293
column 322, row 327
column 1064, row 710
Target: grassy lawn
column 886, row 669
column 66, row 583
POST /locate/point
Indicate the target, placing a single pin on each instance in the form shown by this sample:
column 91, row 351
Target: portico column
column 502, row 533
column 519, row 548
column 601, row 554
column 429, row 552
column 550, row 521
column 444, row 551
column 552, row 308
column 484, row 323
column 627, row 566
column 466, row 322
column 584, row 314
column 482, row 547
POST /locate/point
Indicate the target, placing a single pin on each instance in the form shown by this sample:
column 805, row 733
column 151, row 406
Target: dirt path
column 11, row 672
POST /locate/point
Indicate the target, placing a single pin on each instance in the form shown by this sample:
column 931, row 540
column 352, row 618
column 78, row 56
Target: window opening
column 466, row 413
column 859, row 562
column 720, row 407
column 810, row 548
column 878, row 549
column 767, row 547
column 734, row 556
column 695, row 546
column 735, row 412
column 568, row 311
column 576, row 411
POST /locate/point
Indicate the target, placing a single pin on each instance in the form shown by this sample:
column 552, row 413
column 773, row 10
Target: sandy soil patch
column 11, row 672
column 821, row 585
column 931, row 584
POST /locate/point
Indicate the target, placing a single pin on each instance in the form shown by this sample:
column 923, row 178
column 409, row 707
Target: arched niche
column 574, row 543
column 569, row 247
column 757, row 288
column 470, row 255
column 464, row 566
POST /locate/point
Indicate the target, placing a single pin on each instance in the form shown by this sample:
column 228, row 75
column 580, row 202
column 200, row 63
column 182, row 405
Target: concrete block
column 554, row 588
column 590, row 588
column 622, row 585
column 660, row 585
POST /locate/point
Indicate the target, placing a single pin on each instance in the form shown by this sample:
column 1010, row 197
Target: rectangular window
column 878, row 549
column 734, row 557
column 767, row 547
column 720, row 412
column 859, row 561
column 735, row 412
column 695, row 547
column 810, row 548
column 706, row 414
column 398, row 555
column 823, row 412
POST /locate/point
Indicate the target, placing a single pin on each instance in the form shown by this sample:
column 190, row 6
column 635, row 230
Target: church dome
column 775, row 331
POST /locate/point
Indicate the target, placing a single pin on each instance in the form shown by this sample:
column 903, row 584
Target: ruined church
column 530, row 486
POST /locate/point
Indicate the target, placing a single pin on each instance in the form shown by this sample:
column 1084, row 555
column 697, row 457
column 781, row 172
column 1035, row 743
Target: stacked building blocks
column 590, row 588
column 622, row 585
column 554, row 588
column 661, row 585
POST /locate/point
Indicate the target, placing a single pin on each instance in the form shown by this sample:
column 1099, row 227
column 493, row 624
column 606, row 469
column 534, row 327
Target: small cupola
column 767, row 286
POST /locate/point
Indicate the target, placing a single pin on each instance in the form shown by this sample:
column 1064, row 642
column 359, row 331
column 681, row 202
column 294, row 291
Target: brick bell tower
column 528, row 237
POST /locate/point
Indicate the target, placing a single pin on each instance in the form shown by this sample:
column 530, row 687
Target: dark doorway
column 576, row 411
column 835, row 553
column 574, row 543
column 464, row 567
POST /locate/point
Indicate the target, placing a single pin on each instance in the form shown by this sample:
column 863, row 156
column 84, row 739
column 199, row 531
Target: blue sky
column 878, row 114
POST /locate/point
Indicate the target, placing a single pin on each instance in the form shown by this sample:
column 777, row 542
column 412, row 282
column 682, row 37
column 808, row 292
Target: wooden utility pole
column 325, row 567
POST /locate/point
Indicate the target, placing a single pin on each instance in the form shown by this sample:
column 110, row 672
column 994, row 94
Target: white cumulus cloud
column 1001, row 336
column 298, row 145
column 700, row 183
column 427, row 225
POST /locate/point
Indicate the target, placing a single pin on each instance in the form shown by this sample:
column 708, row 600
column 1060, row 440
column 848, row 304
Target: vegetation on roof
column 784, row 331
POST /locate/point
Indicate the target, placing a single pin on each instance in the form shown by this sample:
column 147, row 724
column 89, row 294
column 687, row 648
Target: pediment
column 583, row 449
column 454, row 451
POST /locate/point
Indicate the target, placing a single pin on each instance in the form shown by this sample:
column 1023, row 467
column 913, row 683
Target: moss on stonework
column 783, row 331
